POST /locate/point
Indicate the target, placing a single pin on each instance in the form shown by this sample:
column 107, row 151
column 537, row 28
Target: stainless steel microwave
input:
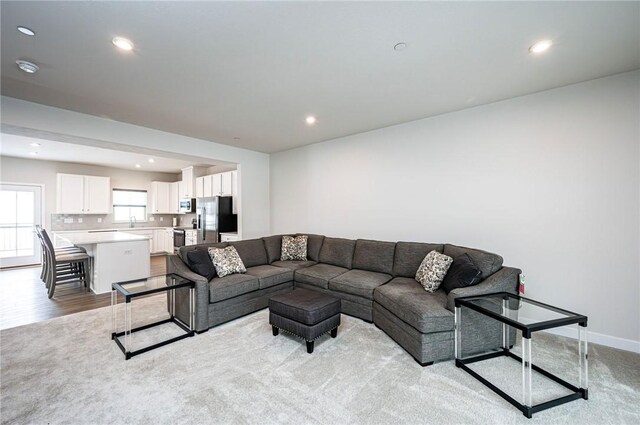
column 188, row 205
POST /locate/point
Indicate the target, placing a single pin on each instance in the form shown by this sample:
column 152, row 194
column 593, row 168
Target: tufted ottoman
column 306, row 314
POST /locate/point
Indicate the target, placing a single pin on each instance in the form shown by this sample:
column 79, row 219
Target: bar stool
column 64, row 267
column 59, row 251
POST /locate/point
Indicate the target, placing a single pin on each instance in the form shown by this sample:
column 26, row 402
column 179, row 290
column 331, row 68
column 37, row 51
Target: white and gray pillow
column 432, row 270
column 226, row 261
column 294, row 248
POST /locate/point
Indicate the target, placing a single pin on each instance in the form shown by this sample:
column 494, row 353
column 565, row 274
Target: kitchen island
column 116, row 256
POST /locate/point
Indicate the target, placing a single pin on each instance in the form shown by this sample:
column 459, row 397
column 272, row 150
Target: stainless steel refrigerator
column 215, row 215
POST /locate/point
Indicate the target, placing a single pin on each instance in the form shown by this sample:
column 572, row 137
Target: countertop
column 120, row 229
column 87, row 238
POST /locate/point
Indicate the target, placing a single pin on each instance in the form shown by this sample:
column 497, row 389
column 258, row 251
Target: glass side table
column 504, row 308
column 138, row 288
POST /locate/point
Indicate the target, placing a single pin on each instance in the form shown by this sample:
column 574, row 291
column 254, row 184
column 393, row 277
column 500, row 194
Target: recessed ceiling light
column 399, row 47
column 33, row 153
column 28, row 67
column 26, row 31
column 151, row 160
column 34, row 144
column 540, row 46
column 138, row 165
column 122, row 43
column 310, row 120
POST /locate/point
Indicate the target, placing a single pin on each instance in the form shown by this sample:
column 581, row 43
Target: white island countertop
column 99, row 237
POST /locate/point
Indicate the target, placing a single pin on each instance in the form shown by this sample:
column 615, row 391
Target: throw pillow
column 226, row 261
column 463, row 272
column 432, row 270
column 294, row 248
column 200, row 263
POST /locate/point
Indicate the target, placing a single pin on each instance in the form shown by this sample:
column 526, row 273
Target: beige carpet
column 68, row 371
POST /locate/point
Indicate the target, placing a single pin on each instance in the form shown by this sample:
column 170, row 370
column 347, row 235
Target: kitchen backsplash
column 90, row 222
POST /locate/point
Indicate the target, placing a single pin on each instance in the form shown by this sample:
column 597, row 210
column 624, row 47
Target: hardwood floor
column 23, row 296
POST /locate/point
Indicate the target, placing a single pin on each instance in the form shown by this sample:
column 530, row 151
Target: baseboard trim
column 596, row 338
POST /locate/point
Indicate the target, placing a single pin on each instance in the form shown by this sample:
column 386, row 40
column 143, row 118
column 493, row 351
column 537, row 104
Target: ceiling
column 253, row 71
column 20, row 146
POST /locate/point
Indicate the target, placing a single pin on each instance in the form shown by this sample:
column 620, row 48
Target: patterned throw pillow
column 432, row 270
column 226, row 261
column 294, row 248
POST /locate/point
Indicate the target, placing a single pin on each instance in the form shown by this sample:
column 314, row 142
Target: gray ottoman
column 306, row 314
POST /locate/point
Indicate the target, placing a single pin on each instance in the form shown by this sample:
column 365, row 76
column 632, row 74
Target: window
column 129, row 203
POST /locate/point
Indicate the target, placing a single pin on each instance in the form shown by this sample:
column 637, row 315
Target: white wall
column 34, row 120
column 21, row 170
column 551, row 181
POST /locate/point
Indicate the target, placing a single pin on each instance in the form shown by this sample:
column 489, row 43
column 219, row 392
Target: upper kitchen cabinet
column 200, row 186
column 189, row 183
column 216, row 185
column 174, row 197
column 226, row 184
column 78, row 194
column 160, row 195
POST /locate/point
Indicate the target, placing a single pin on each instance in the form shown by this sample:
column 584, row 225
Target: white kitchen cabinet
column 181, row 190
column 229, row 237
column 216, row 184
column 190, row 237
column 160, row 198
column 234, row 191
column 207, row 188
column 97, row 195
column 200, row 186
column 169, row 240
column 226, row 184
column 78, row 194
column 163, row 241
column 158, row 241
column 174, row 198
column 189, row 180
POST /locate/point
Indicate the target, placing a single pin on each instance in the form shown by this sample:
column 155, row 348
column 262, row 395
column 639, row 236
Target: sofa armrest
column 176, row 266
column 504, row 280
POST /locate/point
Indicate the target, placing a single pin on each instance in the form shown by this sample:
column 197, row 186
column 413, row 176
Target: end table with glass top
column 171, row 284
column 504, row 307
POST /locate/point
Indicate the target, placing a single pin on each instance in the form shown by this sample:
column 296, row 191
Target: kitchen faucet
column 132, row 222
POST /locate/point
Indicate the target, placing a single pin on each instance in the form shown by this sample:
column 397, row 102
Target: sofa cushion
column 294, row 248
column 200, row 263
column 184, row 250
column 432, row 270
column 273, row 245
column 359, row 282
column 337, row 252
column 226, row 261
column 314, row 244
column 424, row 311
column 251, row 251
column 462, row 273
column 222, row 288
column 375, row 256
column 409, row 255
column 269, row 276
column 293, row 265
column 319, row 275
column 487, row 262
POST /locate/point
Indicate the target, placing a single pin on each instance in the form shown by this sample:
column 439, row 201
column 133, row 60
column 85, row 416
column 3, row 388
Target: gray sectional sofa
column 373, row 279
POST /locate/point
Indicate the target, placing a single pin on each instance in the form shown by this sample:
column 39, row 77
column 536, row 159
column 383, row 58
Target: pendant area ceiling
column 247, row 74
